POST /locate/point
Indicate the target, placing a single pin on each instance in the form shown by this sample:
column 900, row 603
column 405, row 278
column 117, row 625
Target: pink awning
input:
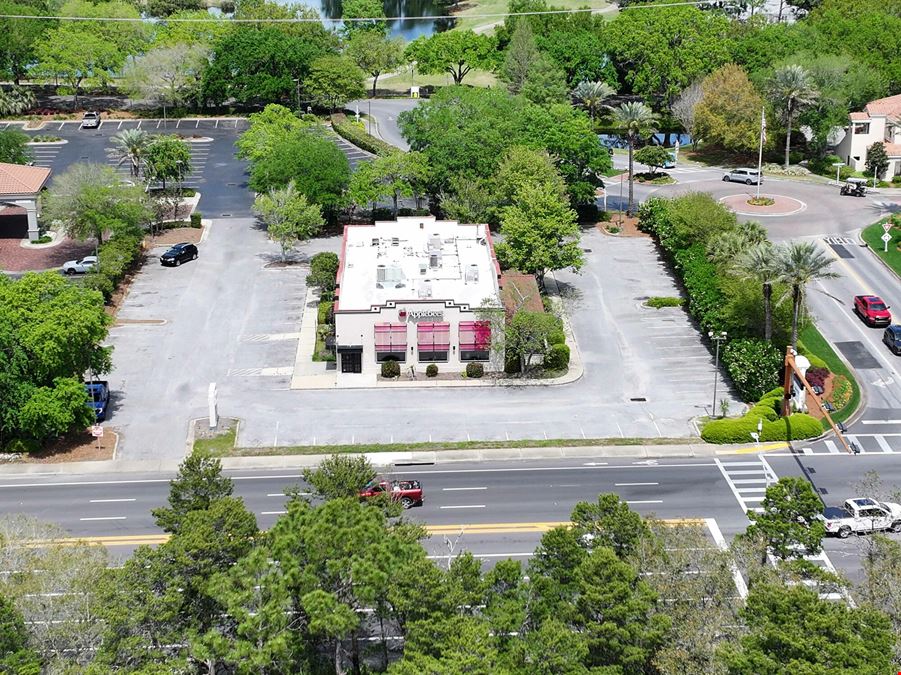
column 433, row 337
column 390, row 337
column 475, row 335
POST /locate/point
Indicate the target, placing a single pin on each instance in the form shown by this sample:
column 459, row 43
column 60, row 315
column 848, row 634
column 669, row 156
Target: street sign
column 887, row 226
column 96, row 431
column 886, row 237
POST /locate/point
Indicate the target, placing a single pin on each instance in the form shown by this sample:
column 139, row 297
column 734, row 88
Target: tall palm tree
column 130, row 146
column 760, row 263
column 793, row 89
column 799, row 263
column 593, row 95
column 637, row 121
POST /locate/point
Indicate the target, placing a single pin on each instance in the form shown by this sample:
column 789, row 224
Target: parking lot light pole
column 838, row 172
column 716, row 365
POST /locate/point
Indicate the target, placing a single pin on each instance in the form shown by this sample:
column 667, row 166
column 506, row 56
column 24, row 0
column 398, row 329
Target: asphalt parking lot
column 226, row 318
column 216, row 172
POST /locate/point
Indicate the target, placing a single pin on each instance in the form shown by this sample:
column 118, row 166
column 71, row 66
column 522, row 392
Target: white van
column 746, row 176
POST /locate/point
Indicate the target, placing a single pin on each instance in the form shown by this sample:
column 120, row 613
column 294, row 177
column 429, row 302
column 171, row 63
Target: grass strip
column 224, row 446
column 872, row 235
column 817, row 344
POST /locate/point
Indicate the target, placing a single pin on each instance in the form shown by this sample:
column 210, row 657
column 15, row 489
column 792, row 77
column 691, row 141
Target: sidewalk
column 649, row 453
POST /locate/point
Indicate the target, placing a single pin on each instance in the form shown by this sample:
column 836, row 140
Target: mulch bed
column 176, row 235
column 629, row 226
column 76, row 448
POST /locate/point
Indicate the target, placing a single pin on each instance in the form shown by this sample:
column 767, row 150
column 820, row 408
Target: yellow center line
column 471, row 528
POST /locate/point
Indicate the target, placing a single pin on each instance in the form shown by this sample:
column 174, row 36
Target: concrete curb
column 399, row 458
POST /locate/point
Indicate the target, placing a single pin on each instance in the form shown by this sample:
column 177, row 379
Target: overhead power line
column 498, row 15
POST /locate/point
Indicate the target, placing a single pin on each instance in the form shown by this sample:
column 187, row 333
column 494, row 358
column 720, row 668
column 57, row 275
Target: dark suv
column 892, row 339
column 178, row 254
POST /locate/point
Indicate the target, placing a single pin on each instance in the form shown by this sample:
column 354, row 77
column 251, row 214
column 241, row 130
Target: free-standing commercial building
column 411, row 290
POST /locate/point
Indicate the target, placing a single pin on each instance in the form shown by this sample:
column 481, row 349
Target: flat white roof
column 416, row 258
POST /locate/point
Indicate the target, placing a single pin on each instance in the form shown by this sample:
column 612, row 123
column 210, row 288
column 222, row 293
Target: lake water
column 409, row 29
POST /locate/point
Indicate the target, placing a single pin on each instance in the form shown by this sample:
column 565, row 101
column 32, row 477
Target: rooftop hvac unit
column 434, row 260
column 472, row 273
column 423, row 268
column 425, row 289
column 395, row 241
column 381, row 274
column 435, row 242
column 375, row 241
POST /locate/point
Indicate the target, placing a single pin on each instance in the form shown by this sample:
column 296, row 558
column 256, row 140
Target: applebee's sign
column 421, row 314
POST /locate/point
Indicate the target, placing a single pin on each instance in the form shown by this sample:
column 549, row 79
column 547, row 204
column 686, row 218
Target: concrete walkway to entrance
column 310, row 374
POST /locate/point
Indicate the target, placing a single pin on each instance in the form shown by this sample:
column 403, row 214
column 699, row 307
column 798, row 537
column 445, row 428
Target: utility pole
column 721, row 337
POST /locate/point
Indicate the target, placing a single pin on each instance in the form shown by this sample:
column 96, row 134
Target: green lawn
column 872, row 235
column 223, row 446
column 467, row 20
column 401, row 82
column 815, row 342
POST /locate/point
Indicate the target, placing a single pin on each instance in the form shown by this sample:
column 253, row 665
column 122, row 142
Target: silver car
column 82, row 266
column 90, row 120
column 746, row 176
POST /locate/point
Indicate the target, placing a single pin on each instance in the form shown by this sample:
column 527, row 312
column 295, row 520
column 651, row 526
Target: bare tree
column 684, row 107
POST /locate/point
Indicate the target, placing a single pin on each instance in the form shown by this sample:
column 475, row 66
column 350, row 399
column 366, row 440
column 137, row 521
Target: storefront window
column 475, row 340
column 390, row 342
column 432, row 341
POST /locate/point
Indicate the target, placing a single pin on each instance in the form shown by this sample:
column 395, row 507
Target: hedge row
column 795, row 427
column 351, row 132
column 116, row 258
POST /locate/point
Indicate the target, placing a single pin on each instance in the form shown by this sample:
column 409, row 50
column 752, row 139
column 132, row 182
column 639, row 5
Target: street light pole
column 716, row 367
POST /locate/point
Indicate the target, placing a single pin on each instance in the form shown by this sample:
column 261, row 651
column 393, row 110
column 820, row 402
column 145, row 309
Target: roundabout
column 777, row 205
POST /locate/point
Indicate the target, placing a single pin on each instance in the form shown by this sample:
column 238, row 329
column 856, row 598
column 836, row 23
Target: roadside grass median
column 873, row 236
column 811, row 341
column 224, row 445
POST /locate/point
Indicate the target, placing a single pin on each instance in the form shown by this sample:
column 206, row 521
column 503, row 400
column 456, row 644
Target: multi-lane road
column 494, row 509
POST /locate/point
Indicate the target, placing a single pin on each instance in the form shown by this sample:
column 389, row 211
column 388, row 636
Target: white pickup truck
column 862, row 515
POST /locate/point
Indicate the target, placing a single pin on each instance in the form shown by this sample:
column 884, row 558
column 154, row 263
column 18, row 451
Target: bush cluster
column 816, row 377
column 116, row 258
column 431, row 370
column 475, row 370
column 195, row 218
column 753, row 365
column 390, row 368
column 351, row 132
column 660, row 301
column 557, row 357
column 792, row 428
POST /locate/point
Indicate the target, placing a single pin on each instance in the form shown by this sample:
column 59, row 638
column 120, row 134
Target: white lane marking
column 460, row 489
column 108, row 501
column 645, row 501
column 464, row 506
column 720, row 541
column 880, row 421
column 831, row 447
column 739, row 481
column 273, row 513
column 106, row 518
column 276, row 494
column 484, row 555
column 883, row 444
column 627, row 484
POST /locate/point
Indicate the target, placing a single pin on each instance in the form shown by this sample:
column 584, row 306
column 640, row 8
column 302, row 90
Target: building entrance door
column 352, row 362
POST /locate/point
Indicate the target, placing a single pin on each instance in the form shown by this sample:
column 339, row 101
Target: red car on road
column 872, row 309
column 407, row 492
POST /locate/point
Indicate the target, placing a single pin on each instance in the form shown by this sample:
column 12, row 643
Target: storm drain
column 857, row 354
column 638, row 399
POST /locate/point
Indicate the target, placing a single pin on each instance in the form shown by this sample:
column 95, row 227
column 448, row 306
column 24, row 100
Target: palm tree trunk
column 631, row 183
column 796, row 313
column 788, row 139
column 767, row 312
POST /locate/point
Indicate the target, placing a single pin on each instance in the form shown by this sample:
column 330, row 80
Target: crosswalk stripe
column 883, row 444
column 831, row 446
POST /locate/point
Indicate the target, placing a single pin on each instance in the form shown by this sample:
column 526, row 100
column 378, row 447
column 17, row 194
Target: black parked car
column 178, row 254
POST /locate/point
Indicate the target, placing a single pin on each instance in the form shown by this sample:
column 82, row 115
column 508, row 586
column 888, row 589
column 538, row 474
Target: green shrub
column 195, row 218
column 658, row 301
column 548, row 304
column 390, row 368
column 44, row 239
column 795, row 427
column 97, row 281
column 557, row 358
column 699, row 275
column 22, row 446
column 476, row 370
column 753, row 365
column 896, row 179
column 511, row 365
column 324, row 314
column 354, row 134
column 557, row 337
column 815, row 361
column 431, row 370
column 324, row 273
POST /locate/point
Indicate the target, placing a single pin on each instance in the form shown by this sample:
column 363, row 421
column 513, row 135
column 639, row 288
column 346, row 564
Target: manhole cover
column 226, row 215
column 857, row 354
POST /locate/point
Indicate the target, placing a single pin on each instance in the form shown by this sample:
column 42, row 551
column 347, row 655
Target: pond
column 410, row 28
